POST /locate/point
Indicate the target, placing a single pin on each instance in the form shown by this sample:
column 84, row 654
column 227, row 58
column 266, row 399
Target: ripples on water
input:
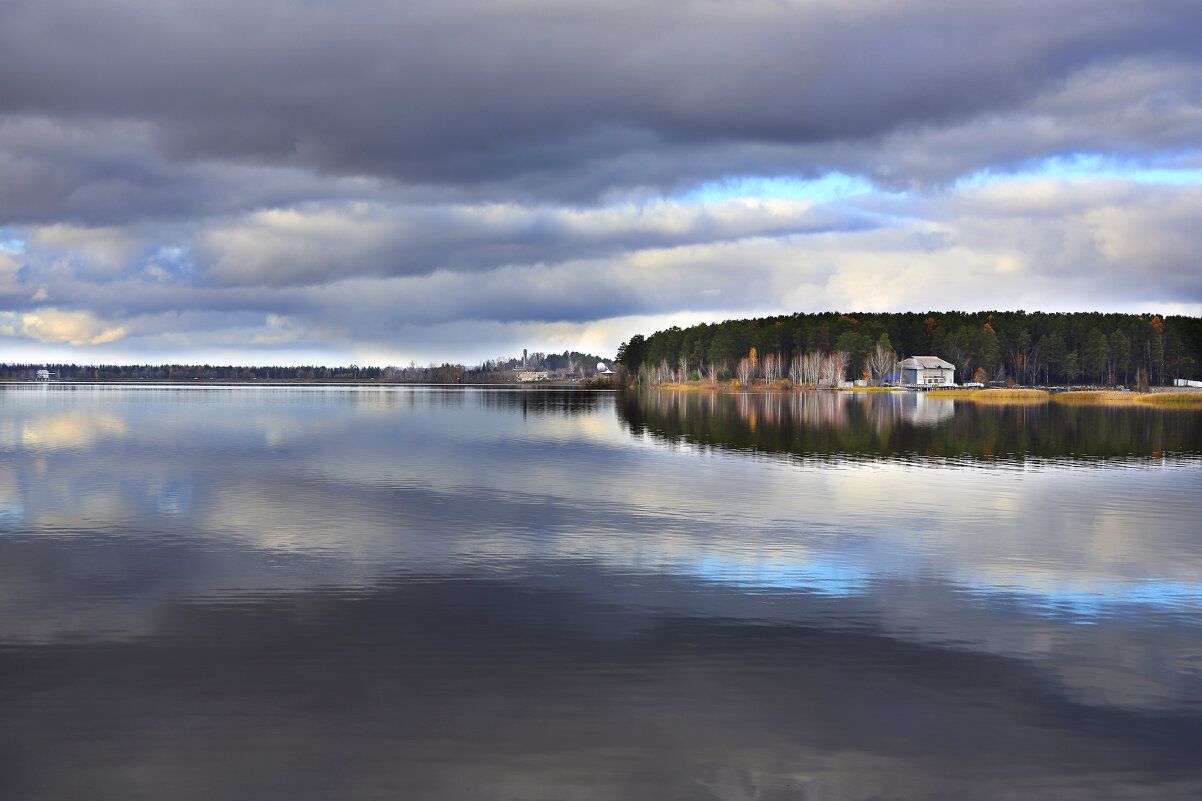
column 458, row 593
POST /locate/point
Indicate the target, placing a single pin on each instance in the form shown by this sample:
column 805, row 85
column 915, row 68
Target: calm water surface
column 426, row 593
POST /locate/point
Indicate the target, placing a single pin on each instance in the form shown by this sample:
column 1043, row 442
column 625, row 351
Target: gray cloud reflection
column 451, row 594
column 237, row 492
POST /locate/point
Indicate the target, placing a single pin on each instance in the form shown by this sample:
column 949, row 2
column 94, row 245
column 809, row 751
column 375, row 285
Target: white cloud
column 55, row 326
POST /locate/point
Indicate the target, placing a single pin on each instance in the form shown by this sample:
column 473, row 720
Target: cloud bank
column 366, row 181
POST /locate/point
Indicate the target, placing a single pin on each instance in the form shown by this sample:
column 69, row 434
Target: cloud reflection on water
column 382, row 536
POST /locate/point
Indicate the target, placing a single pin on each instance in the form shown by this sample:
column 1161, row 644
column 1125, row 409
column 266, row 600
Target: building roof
column 926, row 363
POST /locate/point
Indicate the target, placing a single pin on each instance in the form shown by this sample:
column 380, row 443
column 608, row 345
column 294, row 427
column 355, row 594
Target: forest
column 1014, row 347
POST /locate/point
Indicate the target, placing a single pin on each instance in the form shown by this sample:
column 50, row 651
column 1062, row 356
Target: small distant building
column 43, row 375
column 927, row 371
column 1185, row 382
column 533, row 375
column 603, row 369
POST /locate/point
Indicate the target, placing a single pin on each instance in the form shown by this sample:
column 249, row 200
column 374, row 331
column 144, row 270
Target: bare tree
column 745, row 371
column 712, row 372
column 795, row 369
column 827, row 371
column 960, row 351
column 811, row 368
column 834, row 368
column 842, row 360
column 684, row 368
column 770, row 367
column 881, row 364
column 1032, row 366
column 666, row 373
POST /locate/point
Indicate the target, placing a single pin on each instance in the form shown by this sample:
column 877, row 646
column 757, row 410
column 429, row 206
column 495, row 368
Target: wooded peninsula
column 1012, row 347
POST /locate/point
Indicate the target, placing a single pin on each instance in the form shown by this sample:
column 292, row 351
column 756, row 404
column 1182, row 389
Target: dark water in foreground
column 343, row 593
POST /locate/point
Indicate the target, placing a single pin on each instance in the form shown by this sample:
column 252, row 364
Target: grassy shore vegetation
column 1096, row 398
column 992, row 395
column 1182, row 400
column 1176, row 400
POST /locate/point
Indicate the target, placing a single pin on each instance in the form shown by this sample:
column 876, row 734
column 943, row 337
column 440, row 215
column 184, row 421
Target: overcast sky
column 379, row 182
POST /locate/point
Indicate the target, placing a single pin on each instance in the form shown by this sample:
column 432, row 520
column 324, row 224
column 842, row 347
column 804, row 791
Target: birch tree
column 811, row 368
column 745, row 371
column 834, row 368
column 770, row 368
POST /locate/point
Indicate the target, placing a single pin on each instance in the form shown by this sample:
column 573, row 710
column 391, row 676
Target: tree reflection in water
column 905, row 426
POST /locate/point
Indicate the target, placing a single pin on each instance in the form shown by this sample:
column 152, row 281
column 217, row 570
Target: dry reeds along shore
column 1100, row 397
column 1096, row 398
column 1184, row 400
column 992, row 395
column 1177, row 400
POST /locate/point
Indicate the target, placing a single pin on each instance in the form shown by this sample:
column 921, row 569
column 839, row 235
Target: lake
column 457, row 593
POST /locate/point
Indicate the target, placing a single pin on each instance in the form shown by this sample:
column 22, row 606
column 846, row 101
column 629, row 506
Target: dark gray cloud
column 574, row 99
column 99, row 172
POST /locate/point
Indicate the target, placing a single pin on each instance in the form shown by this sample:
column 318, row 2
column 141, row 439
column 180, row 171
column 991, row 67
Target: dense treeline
column 174, row 372
column 500, row 369
column 1020, row 347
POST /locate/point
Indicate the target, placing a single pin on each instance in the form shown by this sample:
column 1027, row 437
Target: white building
column 43, row 375
column 927, row 371
column 533, row 375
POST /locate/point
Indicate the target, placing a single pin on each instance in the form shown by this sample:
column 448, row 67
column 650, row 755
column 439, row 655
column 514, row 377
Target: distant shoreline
column 267, row 382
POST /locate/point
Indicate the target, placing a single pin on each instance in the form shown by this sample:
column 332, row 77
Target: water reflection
column 469, row 688
column 908, row 425
column 542, row 402
column 433, row 593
